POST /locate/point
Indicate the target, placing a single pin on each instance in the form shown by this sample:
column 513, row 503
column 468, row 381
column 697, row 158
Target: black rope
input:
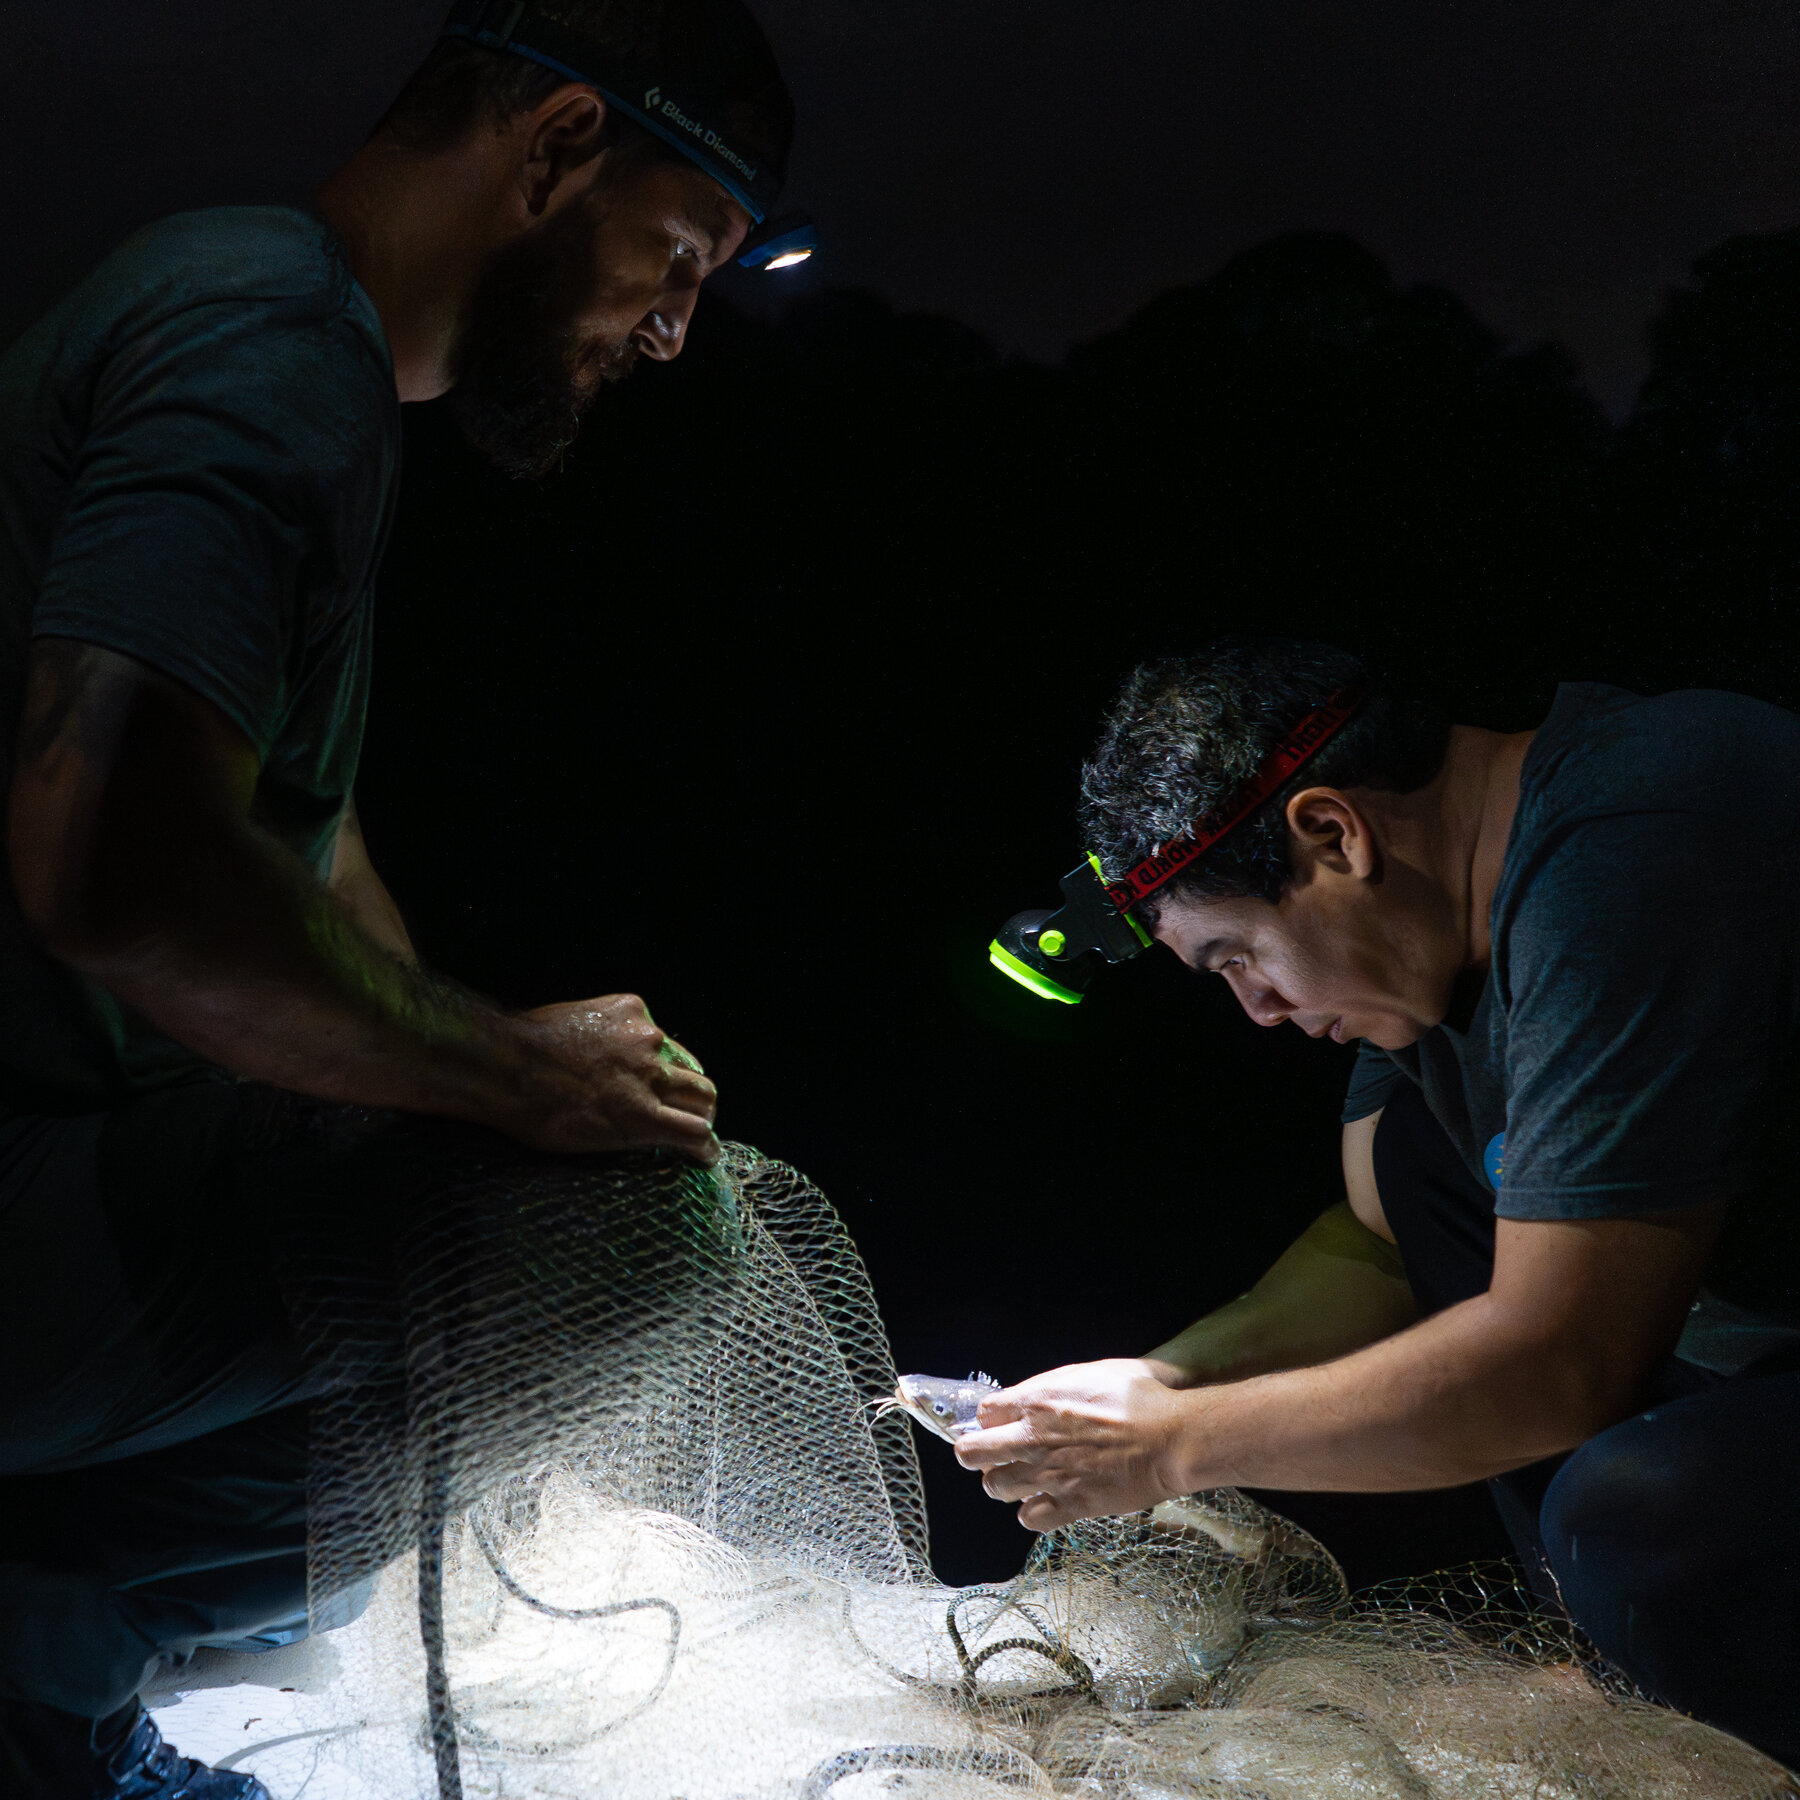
column 612, row 1610
column 440, row 1710
column 1002, row 1765
column 1050, row 1645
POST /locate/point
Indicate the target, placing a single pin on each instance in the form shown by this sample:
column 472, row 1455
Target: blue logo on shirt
column 1493, row 1160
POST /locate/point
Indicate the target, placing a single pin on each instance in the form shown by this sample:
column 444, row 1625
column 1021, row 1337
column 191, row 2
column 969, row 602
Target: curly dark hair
column 1187, row 732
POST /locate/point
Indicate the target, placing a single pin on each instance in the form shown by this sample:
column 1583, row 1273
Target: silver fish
column 943, row 1406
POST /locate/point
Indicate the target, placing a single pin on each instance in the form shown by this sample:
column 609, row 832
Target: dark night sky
column 1040, row 170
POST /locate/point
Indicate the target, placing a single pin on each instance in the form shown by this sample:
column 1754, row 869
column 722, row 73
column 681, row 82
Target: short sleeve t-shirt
column 199, row 449
column 1634, row 1048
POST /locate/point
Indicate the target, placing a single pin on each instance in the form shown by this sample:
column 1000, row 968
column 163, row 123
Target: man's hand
column 1091, row 1440
column 631, row 1086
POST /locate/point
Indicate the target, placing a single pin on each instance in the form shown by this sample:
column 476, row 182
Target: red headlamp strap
column 1307, row 738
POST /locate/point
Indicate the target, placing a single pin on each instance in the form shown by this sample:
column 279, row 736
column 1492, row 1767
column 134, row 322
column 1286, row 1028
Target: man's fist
column 1079, row 1442
column 612, row 1079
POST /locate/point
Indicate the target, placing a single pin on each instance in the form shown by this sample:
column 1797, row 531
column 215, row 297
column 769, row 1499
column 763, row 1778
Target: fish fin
column 982, row 1378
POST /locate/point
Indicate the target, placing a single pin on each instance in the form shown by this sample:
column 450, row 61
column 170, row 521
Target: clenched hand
column 618, row 1082
column 1083, row 1442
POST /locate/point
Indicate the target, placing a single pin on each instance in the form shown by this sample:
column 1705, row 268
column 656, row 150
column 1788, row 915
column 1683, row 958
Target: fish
column 1193, row 1517
column 945, row 1407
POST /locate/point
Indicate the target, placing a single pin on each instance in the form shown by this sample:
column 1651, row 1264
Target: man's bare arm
column 1339, row 1286
column 1578, row 1317
column 1562, row 1345
column 134, row 858
column 354, row 880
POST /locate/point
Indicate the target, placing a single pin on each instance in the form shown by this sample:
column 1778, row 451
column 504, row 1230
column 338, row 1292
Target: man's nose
column 1259, row 1001
column 661, row 333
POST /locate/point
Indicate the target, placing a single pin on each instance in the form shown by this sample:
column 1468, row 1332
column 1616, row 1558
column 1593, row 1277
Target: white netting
column 712, row 1584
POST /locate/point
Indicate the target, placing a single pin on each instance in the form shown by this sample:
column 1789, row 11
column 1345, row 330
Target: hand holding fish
column 1082, row 1442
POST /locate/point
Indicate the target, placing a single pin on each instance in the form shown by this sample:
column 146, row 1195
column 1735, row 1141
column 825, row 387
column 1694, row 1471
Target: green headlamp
column 1055, row 953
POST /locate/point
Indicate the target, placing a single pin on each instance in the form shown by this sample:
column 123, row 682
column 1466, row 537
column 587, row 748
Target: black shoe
column 145, row 1768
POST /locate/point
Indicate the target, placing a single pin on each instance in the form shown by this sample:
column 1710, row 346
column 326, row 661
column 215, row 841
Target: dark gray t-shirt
column 1634, row 1048
column 199, row 449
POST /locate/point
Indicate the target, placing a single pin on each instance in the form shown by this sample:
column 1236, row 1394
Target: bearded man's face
column 574, row 303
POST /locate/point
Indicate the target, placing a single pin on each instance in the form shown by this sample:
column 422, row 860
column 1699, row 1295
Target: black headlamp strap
column 1298, row 747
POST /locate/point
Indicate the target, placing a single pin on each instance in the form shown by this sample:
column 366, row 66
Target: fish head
column 942, row 1405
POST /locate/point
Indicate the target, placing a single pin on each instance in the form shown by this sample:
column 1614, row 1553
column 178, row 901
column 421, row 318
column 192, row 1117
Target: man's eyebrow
column 712, row 215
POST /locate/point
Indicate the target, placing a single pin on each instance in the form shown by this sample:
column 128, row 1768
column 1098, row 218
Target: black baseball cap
column 699, row 74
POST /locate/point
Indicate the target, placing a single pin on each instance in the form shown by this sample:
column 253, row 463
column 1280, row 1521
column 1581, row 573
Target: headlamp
column 1055, row 953
column 780, row 244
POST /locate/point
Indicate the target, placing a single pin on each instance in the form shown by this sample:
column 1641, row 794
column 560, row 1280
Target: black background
column 770, row 705
column 1036, row 168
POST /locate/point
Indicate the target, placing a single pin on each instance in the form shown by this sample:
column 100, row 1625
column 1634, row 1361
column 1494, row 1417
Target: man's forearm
column 354, row 880
column 1337, row 1288
column 1461, row 1396
column 235, row 950
column 1579, row 1315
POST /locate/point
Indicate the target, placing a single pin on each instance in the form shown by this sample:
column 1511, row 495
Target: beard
column 524, row 375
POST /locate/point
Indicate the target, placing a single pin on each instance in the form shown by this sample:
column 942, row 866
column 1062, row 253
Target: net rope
column 605, row 1440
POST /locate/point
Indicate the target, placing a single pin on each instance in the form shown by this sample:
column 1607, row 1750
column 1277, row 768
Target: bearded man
column 1568, row 1256
column 198, row 459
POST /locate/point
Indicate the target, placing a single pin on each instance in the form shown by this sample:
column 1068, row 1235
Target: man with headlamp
column 1568, row 1260
column 198, row 459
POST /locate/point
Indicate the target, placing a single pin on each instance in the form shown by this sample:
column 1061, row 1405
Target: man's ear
column 564, row 134
column 1333, row 833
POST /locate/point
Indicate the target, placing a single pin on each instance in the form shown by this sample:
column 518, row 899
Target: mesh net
column 609, row 1449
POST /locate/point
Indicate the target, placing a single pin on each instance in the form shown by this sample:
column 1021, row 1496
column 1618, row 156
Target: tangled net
column 638, row 1535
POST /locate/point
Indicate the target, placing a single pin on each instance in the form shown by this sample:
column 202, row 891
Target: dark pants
column 153, row 1425
column 1672, row 1539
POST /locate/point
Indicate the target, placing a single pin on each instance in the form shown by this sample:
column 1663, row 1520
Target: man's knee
column 1620, row 1490
column 73, row 1640
column 1645, row 1559
column 1659, row 1534
column 1690, row 1493
column 64, row 1642
column 1630, row 1523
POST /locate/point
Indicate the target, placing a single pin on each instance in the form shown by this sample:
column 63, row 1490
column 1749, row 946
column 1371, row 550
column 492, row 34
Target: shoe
column 145, row 1768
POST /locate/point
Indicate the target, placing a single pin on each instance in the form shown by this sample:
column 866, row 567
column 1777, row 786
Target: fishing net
column 607, row 1445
